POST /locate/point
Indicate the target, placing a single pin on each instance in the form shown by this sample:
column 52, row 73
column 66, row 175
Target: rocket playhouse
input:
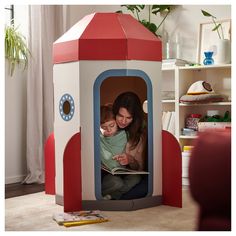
column 101, row 56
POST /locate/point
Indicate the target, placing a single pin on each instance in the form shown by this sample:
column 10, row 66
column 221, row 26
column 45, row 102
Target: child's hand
column 122, row 159
column 116, row 157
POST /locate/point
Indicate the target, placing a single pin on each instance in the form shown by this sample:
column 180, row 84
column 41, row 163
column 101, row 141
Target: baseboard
column 14, row 179
column 117, row 205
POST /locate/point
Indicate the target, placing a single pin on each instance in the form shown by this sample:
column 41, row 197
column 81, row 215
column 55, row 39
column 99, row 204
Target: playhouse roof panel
column 107, row 36
column 104, row 26
column 75, row 32
column 134, row 29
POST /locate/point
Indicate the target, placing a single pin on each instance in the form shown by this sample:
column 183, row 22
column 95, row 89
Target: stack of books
column 79, row 218
column 171, row 63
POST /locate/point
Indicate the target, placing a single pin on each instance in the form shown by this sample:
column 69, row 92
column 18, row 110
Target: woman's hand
column 126, row 159
column 123, row 159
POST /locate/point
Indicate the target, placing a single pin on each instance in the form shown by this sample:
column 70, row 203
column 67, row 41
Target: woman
column 129, row 116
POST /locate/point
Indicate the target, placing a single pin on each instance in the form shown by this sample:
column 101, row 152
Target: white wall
column 15, row 126
column 184, row 20
column 15, row 112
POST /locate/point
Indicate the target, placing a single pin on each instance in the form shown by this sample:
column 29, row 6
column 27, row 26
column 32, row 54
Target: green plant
column 217, row 25
column 152, row 9
column 16, row 50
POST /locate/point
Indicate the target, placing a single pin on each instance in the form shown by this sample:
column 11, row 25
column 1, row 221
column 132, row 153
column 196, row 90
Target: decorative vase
column 208, row 58
column 223, row 52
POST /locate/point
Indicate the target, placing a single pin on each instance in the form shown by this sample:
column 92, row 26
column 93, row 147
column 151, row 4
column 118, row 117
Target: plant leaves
column 160, row 8
column 216, row 27
column 131, row 8
column 141, row 6
column 136, row 9
column 16, row 50
column 151, row 26
column 207, row 14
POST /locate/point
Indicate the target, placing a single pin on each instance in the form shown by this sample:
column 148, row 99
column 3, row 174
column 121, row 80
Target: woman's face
column 123, row 118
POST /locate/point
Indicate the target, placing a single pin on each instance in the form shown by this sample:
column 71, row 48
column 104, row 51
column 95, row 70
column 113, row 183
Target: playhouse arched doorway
column 106, row 88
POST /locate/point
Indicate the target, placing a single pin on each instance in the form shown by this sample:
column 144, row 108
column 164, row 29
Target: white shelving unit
column 180, row 79
column 207, row 104
column 168, row 101
column 168, row 85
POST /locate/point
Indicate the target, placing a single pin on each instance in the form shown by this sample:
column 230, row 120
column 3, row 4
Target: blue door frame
column 116, row 73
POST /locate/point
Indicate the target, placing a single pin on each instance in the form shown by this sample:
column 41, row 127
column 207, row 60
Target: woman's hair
column 106, row 113
column 131, row 102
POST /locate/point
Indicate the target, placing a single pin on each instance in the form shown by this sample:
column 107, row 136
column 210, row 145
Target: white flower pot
column 223, row 52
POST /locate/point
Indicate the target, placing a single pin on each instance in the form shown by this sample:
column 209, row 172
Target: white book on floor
column 166, row 120
column 171, row 126
column 79, row 217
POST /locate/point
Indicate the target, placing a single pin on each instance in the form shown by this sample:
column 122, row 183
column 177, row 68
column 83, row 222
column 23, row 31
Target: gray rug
column 34, row 212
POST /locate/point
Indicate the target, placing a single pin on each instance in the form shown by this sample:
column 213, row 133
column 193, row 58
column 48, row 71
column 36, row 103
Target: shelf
column 168, row 69
column 168, row 101
column 205, row 67
column 206, row 104
column 187, row 137
column 179, row 80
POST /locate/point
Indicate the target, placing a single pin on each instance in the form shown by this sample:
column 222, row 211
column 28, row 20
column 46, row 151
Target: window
column 19, row 16
column 9, row 14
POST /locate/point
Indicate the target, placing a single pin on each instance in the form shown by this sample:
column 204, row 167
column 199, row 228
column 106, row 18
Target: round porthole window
column 66, row 107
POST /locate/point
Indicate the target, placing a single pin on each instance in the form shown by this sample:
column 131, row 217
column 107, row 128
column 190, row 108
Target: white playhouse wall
column 89, row 71
column 87, row 79
column 77, row 79
column 66, row 80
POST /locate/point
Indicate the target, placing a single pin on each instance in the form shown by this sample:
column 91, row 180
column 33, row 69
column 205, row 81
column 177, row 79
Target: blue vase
column 208, row 58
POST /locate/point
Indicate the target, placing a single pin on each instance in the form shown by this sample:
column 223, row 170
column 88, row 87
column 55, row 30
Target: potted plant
column 152, row 9
column 223, row 47
column 16, row 50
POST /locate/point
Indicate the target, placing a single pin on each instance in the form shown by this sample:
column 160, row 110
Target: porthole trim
column 67, row 98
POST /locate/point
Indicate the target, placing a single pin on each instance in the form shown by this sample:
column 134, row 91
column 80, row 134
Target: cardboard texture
column 172, row 170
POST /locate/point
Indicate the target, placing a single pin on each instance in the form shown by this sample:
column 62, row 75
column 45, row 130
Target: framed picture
column 208, row 39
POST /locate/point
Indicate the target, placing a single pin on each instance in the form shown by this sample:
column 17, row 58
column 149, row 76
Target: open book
column 122, row 170
column 79, row 218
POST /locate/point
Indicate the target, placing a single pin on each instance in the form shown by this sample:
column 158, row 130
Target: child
column 112, row 144
column 112, row 141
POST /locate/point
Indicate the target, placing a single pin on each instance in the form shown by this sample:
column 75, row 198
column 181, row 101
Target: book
column 123, row 171
column 170, row 63
column 171, row 126
column 163, row 118
column 167, row 95
column 84, row 222
column 79, row 218
column 166, row 120
column 174, row 61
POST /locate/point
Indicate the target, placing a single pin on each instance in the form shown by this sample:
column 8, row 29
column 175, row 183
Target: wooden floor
column 18, row 189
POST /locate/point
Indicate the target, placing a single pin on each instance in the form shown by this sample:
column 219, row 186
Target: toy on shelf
column 201, row 92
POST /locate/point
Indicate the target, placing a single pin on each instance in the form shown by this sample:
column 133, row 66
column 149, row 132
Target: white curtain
column 46, row 24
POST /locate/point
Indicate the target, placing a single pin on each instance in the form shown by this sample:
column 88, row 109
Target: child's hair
column 106, row 113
